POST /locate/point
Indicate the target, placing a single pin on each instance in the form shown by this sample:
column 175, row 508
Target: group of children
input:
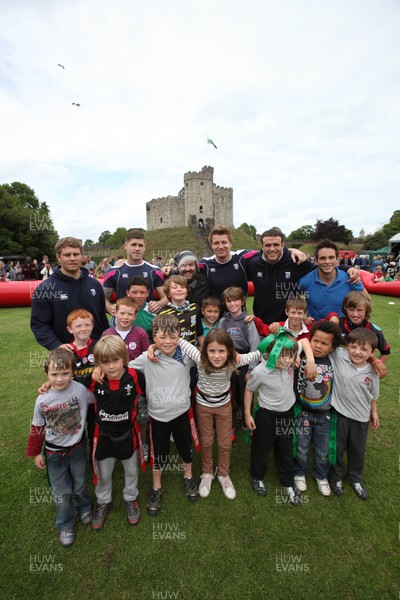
column 188, row 374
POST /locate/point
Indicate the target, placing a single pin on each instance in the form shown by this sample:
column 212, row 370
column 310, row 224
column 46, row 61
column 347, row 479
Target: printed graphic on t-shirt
column 64, row 418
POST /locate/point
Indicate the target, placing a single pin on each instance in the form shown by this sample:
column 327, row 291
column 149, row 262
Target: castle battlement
column 199, row 200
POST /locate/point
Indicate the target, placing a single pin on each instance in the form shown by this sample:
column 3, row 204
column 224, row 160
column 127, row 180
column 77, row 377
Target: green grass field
column 250, row 548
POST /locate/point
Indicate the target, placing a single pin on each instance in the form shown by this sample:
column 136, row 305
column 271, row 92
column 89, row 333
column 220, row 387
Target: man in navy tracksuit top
column 68, row 288
column 275, row 276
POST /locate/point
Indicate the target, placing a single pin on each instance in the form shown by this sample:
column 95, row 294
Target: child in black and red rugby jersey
column 116, row 433
column 80, row 324
column 357, row 309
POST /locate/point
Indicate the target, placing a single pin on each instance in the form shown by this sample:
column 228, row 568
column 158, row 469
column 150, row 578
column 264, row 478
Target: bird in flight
column 62, row 66
column 76, row 104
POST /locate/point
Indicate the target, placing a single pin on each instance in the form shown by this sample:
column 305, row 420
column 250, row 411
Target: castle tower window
column 201, row 182
column 160, row 219
column 200, row 208
column 187, row 185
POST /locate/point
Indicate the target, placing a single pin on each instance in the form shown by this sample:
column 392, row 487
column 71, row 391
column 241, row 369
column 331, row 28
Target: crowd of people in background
column 383, row 268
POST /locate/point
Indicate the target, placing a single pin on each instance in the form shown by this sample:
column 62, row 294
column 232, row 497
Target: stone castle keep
column 200, row 200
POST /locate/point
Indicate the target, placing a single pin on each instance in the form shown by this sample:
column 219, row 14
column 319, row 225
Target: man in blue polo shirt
column 327, row 286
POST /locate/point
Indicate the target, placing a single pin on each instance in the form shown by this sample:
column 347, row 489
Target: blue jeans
column 312, row 429
column 68, row 478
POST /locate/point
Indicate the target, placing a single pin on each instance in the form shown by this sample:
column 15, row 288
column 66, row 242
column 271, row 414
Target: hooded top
column 244, row 335
column 56, row 297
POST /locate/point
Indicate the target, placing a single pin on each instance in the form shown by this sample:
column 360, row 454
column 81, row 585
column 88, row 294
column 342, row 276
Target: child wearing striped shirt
column 216, row 362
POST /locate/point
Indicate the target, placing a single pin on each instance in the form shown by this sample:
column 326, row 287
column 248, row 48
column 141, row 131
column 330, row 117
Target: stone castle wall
column 199, row 198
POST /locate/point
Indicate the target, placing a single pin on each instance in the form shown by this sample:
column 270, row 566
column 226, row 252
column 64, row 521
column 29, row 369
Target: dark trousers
column 273, row 430
column 351, row 436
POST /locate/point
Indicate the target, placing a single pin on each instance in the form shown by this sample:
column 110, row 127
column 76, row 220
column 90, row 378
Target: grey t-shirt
column 275, row 388
column 63, row 414
column 354, row 388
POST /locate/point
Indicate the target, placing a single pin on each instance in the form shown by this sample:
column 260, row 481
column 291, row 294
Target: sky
column 301, row 99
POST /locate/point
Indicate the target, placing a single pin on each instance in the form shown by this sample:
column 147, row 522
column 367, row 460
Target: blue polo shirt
column 322, row 298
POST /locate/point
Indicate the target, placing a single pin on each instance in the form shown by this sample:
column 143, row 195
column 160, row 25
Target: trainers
column 100, row 513
column 132, row 511
column 66, row 537
column 205, row 484
column 337, row 488
column 191, row 489
column 233, row 435
column 154, row 502
column 227, row 486
column 145, row 452
column 323, row 486
column 360, row 490
column 86, row 518
column 293, row 496
column 258, row 487
column 300, row 483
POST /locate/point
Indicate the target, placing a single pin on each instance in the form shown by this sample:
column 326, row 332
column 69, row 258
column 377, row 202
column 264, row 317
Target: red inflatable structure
column 19, row 293
column 384, row 288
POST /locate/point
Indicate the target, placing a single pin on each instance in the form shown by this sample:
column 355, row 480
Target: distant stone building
column 362, row 233
column 199, row 201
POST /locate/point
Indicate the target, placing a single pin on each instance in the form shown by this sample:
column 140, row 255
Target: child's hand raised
column 380, row 368
column 249, row 318
column 274, row 327
column 311, row 370
column 44, row 387
column 151, row 353
column 98, row 375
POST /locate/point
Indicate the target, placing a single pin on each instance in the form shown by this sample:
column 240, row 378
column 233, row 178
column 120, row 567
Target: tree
column 249, row 229
column 381, row 237
column 26, row 226
column 332, row 230
column 104, row 237
column 89, row 244
column 117, row 239
column 302, row 234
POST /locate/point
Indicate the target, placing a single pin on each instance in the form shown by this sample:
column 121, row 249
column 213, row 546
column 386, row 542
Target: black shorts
column 159, row 439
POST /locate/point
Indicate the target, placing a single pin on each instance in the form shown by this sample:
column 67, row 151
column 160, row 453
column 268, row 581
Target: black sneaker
column 191, row 489
column 132, row 511
column 154, row 502
column 293, row 495
column 360, row 490
column 337, row 488
column 258, row 487
column 99, row 516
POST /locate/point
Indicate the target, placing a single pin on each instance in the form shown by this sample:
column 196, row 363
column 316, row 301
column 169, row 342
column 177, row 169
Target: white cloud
column 301, row 100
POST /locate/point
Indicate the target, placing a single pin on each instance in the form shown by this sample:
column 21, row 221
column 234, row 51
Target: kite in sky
column 62, row 66
column 76, row 104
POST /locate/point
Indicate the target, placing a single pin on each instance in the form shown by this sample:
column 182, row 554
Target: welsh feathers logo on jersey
column 93, row 291
column 287, row 274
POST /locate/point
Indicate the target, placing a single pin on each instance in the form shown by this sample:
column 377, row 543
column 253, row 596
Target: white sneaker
column 300, row 483
column 323, row 487
column 205, row 485
column 227, row 486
